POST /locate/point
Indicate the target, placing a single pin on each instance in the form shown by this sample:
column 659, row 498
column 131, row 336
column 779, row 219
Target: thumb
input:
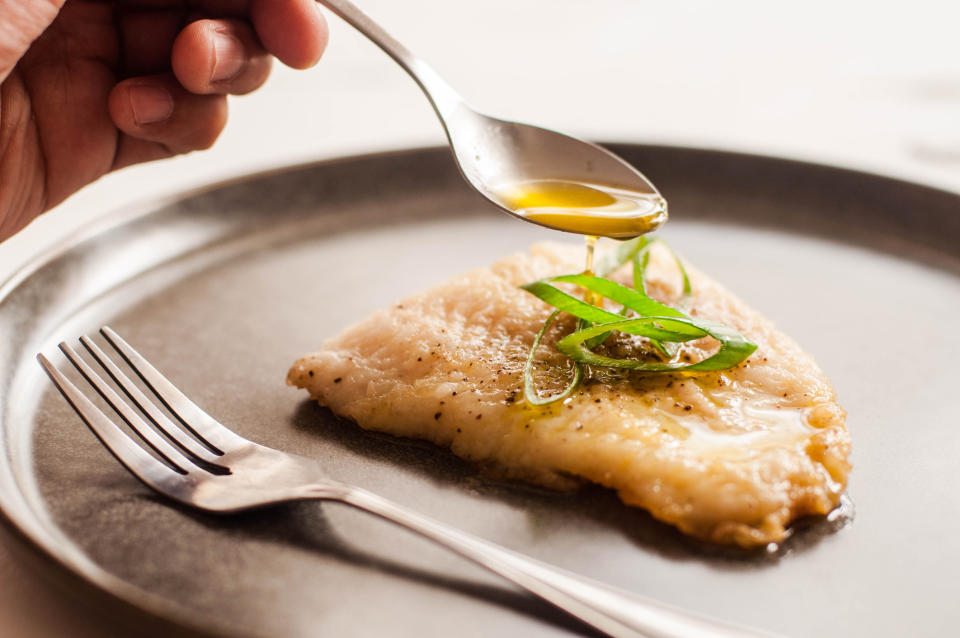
column 22, row 22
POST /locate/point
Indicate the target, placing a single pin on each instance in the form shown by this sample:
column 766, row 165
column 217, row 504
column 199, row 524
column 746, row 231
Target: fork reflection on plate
column 214, row 469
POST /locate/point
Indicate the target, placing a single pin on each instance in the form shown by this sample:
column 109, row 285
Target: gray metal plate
column 223, row 289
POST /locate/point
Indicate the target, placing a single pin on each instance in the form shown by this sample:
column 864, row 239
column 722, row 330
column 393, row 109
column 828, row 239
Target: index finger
column 293, row 31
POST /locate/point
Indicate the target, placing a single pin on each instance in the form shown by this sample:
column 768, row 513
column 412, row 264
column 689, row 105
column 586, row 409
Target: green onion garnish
column 734, row 348
column 529, row 390
column 664, row 326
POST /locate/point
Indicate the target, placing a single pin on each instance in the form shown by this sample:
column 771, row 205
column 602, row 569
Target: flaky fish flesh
column 729, row 457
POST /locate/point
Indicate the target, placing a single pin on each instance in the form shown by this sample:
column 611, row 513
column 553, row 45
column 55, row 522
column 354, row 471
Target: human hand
column 91, row 86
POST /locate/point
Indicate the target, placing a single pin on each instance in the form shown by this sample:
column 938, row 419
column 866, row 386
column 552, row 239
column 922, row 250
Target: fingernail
column 228, row 57
column 150, row 104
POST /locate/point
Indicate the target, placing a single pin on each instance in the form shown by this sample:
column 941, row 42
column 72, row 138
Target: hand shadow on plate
column 304, row 525
column 595, row 503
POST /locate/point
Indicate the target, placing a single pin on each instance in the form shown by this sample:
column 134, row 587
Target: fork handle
column 612, row 611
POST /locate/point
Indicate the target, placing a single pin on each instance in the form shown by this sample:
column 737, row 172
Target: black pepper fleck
column 437, row 416
column 311, row 374
column 338, row 380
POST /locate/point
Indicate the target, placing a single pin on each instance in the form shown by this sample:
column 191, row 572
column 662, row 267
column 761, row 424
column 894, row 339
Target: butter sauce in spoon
column 536, row 174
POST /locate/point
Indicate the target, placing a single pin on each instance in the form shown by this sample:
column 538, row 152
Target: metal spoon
column 493, row 153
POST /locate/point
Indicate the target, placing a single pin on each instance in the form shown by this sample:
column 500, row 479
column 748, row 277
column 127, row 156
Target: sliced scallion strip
column 568, row 303
column 640, row 262
column 637, row 301
column 686, row 296
column 624, row 252
column 664, row 326
column 734, row 348
column 529, row 387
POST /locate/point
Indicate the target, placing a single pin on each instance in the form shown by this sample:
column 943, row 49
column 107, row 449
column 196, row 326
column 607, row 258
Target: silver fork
column 218, row 471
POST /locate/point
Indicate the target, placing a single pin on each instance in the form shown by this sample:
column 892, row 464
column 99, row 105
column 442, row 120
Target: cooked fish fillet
column 729, row 457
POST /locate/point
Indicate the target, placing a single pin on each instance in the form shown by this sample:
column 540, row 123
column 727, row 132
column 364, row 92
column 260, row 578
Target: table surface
column 874, row 86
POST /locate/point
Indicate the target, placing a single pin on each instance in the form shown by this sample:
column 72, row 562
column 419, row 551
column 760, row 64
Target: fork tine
column 205, row 427
column 152, row 472
column 149, row 436
column 158, row 418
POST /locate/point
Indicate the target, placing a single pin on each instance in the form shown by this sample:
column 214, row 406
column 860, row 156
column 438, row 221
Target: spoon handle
column 614, row 612
column 443, row 98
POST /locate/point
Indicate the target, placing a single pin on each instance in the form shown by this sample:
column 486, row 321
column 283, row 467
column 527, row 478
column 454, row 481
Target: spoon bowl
column 495, row 155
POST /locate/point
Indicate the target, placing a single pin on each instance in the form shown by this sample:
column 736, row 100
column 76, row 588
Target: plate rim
column 133, row 604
